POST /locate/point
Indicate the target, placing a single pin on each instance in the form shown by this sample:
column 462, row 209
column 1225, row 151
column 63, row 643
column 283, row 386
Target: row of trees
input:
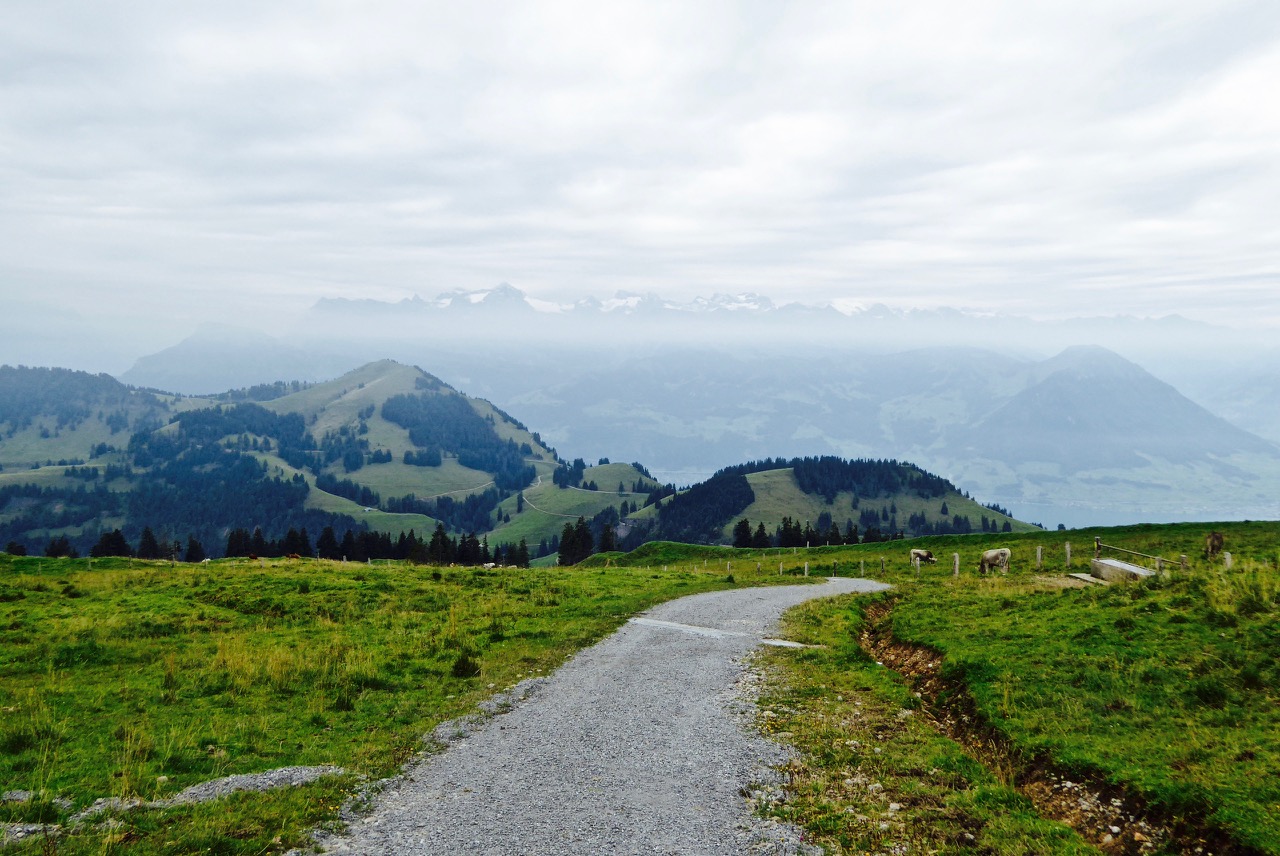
column 439, row 549
column 791, row 534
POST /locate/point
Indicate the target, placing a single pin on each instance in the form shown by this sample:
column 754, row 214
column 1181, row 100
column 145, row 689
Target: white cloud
column 1114, row 156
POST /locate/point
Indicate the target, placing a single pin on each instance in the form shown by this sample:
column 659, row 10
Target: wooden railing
column 1160, row 561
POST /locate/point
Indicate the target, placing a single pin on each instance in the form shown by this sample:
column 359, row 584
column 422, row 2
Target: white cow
column 923, row 556
column 997, row 558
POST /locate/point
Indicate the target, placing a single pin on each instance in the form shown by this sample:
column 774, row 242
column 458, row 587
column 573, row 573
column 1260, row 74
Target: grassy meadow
column 548, row 507
column 133, row 679
column 1162, row 695
column 778, row 495
column 137, row 679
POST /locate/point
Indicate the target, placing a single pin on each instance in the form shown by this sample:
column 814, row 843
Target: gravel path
column 636, row 745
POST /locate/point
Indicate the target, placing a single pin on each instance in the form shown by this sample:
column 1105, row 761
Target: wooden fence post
column 1226, row 560
column 1039, row 558
column 806, row 569
column 1068, row 555
column 955, row 561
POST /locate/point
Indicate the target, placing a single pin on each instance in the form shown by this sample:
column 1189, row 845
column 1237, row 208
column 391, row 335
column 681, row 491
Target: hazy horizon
column 165, row 166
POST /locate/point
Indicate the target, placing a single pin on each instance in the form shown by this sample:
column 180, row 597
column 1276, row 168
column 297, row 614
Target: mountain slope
column 50, row 414
column 219, row 357
column 823, row 500
column 1091, row 409
column 390, row 448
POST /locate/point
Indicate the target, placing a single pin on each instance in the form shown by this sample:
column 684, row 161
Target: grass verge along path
column 1159, row 695
column 130, row 679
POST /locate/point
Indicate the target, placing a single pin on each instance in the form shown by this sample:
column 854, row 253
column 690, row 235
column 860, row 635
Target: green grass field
column 137, row 679
column 127, row 678
column 1163, row 692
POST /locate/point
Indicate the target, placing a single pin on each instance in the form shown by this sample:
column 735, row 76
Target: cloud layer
column 173, row 164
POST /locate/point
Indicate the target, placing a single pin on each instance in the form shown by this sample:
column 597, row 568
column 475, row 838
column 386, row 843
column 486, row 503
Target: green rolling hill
column 387, row 450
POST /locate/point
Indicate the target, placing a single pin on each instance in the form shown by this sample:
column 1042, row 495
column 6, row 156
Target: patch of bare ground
column 1106, row 816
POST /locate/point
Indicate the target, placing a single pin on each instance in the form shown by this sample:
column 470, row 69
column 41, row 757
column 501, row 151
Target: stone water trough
column 1115, row 570
column 1118, row 570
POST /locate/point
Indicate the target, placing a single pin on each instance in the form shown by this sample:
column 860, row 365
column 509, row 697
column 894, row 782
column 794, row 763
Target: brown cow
column 1212, row 544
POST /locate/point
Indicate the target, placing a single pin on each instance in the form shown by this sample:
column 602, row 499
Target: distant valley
column 1059, row 422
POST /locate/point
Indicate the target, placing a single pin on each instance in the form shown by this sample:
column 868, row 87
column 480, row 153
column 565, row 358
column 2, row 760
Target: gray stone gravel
column 640, row 744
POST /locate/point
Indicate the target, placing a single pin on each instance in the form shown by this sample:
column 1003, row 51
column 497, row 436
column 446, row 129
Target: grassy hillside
column 547, row 507
column 1023, row 697
column 355, row 444
column 354, row 401
column 127, row 678
column 778, row 495
column 131, row 679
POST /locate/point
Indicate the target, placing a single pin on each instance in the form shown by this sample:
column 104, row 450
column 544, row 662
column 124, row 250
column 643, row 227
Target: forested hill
column 38, row 404
column 822, row 500
column 387, row 447
column 400, row 460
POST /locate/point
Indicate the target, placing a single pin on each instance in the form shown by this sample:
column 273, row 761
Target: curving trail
column 636, row 745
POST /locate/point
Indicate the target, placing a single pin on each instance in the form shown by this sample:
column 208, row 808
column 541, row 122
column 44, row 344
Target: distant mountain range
column 1079, row 421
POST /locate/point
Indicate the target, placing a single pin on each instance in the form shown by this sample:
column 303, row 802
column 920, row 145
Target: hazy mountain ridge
column 338, row 455
column 1007, row 406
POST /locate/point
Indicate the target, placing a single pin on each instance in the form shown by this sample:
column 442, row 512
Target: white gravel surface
column 640, row 744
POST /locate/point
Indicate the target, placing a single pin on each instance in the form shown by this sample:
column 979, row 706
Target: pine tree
column 327, row 545
column 111, row 544
column 257, row 544
column 742, row 533
column 349, row 550
column 440, row 550
column 568, row 545
column 148, row 546
column 60, row 546
column 237, row 543
column 760, row 539
column 195, row 551
column 586, row 544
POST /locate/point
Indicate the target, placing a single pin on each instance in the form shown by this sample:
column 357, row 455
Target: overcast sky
column 171, row 161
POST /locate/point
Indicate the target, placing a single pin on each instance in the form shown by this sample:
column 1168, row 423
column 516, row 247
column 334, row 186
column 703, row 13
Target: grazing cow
column 1212, row 544
column 923, row 555
column 489, row 566
column 992, row 559
column 293, row 556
